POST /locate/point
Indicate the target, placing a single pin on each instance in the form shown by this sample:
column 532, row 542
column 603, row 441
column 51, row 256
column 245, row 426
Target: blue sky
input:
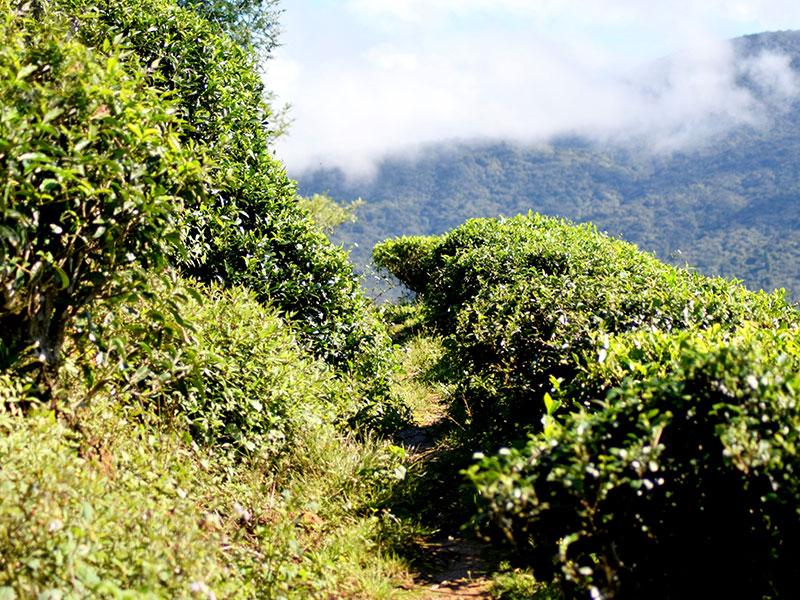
column 367, row 77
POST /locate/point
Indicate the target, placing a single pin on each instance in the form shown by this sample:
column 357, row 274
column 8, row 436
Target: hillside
column 728, row 207
column 198, row 400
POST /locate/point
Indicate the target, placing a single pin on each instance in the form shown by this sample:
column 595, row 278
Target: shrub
column 408, row 259
column 94, row 176
column 660, row 410
column 681, row 484
column 217, row 363
column 249, row 229
column 524, row 301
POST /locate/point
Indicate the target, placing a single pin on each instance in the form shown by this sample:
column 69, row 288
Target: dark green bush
column 682, row 483
column 249, row 229
column 94, row 176
column 661, row 410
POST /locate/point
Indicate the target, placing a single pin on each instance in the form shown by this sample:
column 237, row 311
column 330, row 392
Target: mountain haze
column 724, row 203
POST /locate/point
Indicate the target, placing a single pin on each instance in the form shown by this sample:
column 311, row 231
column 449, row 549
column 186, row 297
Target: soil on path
column 459, row 572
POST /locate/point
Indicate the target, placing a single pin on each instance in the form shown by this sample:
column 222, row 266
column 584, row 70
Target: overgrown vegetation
column 193, row 386
column 94, row 177
column 640, row 421
column 237, row 213
column 190, row 377
column 124, row 508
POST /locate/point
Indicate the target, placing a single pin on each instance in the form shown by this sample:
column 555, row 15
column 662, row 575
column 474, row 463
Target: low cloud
column 356, row 103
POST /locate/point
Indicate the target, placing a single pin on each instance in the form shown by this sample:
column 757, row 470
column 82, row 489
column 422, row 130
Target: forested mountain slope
column 727, row 207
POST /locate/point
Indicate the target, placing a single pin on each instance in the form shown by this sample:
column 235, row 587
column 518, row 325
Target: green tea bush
column 660, row 410
column 681, row 483
column 524, row 300
column 219, row 364
column 136, row 134
column 249, row 229
column 408, row 259
column 94, row 177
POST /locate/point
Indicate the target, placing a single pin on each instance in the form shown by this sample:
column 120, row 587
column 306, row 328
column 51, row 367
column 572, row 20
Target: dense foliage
column 252, row 23
column 660, row 407
column 124, row 507
column 227, row 372
column 687, row 467
column 249, row 229
column 169, row 134
column 202, row 442
column 524, row 299
column 94, row 177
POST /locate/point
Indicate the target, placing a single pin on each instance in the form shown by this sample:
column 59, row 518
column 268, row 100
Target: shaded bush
column 408, row 259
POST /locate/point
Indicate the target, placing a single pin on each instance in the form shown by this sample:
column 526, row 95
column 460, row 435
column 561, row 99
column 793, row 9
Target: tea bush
column 524, row 300
column 216, row 363
column 660, row 410
column 249, row 229
column 137, row 135
column 94, row 177
column 408, row 259
column 681, row 483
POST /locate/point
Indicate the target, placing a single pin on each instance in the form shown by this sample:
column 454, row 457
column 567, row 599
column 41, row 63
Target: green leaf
column 549, row 404
column 52, row 114
column 63, row 275
column 25, row 71
column 32, row 156
column 10, row 235
column 140, row 374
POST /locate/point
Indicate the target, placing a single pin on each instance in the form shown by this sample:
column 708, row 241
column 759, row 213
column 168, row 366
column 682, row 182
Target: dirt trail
column 460, row 569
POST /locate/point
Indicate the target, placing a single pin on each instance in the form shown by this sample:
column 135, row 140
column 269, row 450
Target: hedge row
column 526, row 300
column 136, row 134
column 649, row 416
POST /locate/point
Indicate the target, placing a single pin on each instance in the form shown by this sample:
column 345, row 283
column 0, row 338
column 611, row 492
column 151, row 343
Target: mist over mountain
column 717, row 190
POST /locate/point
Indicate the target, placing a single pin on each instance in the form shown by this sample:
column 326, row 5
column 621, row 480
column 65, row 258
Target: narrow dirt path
column 460, row 570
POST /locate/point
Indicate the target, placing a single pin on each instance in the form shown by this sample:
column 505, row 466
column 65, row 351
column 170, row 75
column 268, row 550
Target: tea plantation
column 197, row 400
column 639, row 422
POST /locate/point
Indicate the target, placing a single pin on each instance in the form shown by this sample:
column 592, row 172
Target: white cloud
column 761, row 12
column 430, row 79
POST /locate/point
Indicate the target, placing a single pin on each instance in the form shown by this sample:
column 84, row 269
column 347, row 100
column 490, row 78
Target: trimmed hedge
column 681, row 483
column 524, row 301
column 649, row 416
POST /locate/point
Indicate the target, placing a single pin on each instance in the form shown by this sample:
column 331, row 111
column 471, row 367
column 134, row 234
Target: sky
column 369, row 77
